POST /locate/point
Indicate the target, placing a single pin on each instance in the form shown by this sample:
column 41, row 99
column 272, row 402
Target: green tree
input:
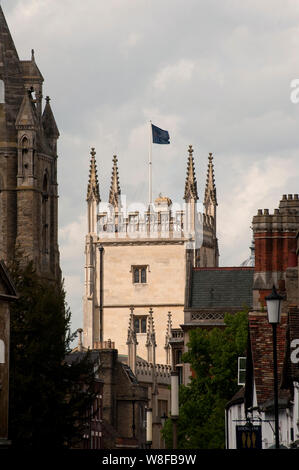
column 48, row 397
column 213, row 356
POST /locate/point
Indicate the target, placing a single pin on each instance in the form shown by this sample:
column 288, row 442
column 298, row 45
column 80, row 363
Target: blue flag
column 160, row 136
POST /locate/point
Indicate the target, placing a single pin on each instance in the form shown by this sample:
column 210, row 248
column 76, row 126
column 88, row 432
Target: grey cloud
column 101, row 61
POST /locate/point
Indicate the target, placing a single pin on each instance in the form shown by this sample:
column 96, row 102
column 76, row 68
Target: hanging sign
column 249, row 437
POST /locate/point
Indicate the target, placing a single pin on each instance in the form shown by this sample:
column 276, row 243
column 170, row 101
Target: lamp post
column 149, row 428
column 174, row 407
column 274, row 301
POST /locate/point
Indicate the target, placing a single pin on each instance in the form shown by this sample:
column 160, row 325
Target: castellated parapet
column 275, row 246
column 140, row 258
column 161, row 222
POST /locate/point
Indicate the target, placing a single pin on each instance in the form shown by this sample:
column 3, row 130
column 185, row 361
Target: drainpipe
column 101, row 249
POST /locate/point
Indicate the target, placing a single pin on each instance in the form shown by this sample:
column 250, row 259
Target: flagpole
column 150, row 163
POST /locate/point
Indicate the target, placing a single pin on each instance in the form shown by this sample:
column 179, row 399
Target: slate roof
column 75, row 356
column 222, row 287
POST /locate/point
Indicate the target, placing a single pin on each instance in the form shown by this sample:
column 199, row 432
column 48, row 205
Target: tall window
column 25, row 156
column 241, row 370
column 140, row 324
column 45, row 214
column 139, row 274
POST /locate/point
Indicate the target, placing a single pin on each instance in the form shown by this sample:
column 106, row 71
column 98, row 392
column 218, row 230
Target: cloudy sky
column 215, row 74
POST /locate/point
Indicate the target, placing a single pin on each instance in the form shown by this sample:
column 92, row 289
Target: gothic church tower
column 28, row 162
column 137, row 263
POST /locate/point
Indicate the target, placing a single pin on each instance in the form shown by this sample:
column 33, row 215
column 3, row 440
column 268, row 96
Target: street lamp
column 174, row 407
column 149, row 427
column 274, row 302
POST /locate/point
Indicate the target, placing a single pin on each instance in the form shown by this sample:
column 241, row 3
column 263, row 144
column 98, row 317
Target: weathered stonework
column 28, row 163
column 157, row 240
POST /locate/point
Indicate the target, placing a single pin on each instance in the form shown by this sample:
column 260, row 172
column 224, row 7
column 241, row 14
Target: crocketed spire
column 168, row 330
column 210, row 191
column 93, row 191
column 191, row 183
column 151, row 334
column 132, row 338
column 114, row 195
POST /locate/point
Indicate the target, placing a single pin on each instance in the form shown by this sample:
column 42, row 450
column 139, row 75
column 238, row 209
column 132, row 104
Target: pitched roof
column 8, row 46
column 229, row 288
column 12, row 75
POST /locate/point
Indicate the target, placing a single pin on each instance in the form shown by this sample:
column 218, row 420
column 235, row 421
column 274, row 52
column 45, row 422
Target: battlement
column 275, row 240
column 146, row 371
column 163, row 223
column 285, row 218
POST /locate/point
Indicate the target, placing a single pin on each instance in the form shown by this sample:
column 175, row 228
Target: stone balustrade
column 145, row 372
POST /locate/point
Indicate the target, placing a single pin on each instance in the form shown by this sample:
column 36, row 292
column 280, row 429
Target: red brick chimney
column 275, row 246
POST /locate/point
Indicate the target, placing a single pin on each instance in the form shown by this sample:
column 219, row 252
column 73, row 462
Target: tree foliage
column 213, row 356
column 48, row 397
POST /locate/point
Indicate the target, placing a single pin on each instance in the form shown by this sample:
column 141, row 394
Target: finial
column 32, row 55
column 114, row 194
column 191, row 183
column 93, row 185
column 48, row 99
column 210, row 190
column 132, row 309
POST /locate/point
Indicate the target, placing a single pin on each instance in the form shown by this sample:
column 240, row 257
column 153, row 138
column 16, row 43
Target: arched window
column 2, row 92
column 25, row 156
column 45, row 213
column 45, row 183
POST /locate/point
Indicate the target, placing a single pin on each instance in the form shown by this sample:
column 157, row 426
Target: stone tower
column 28, row 162
column 140, row 260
